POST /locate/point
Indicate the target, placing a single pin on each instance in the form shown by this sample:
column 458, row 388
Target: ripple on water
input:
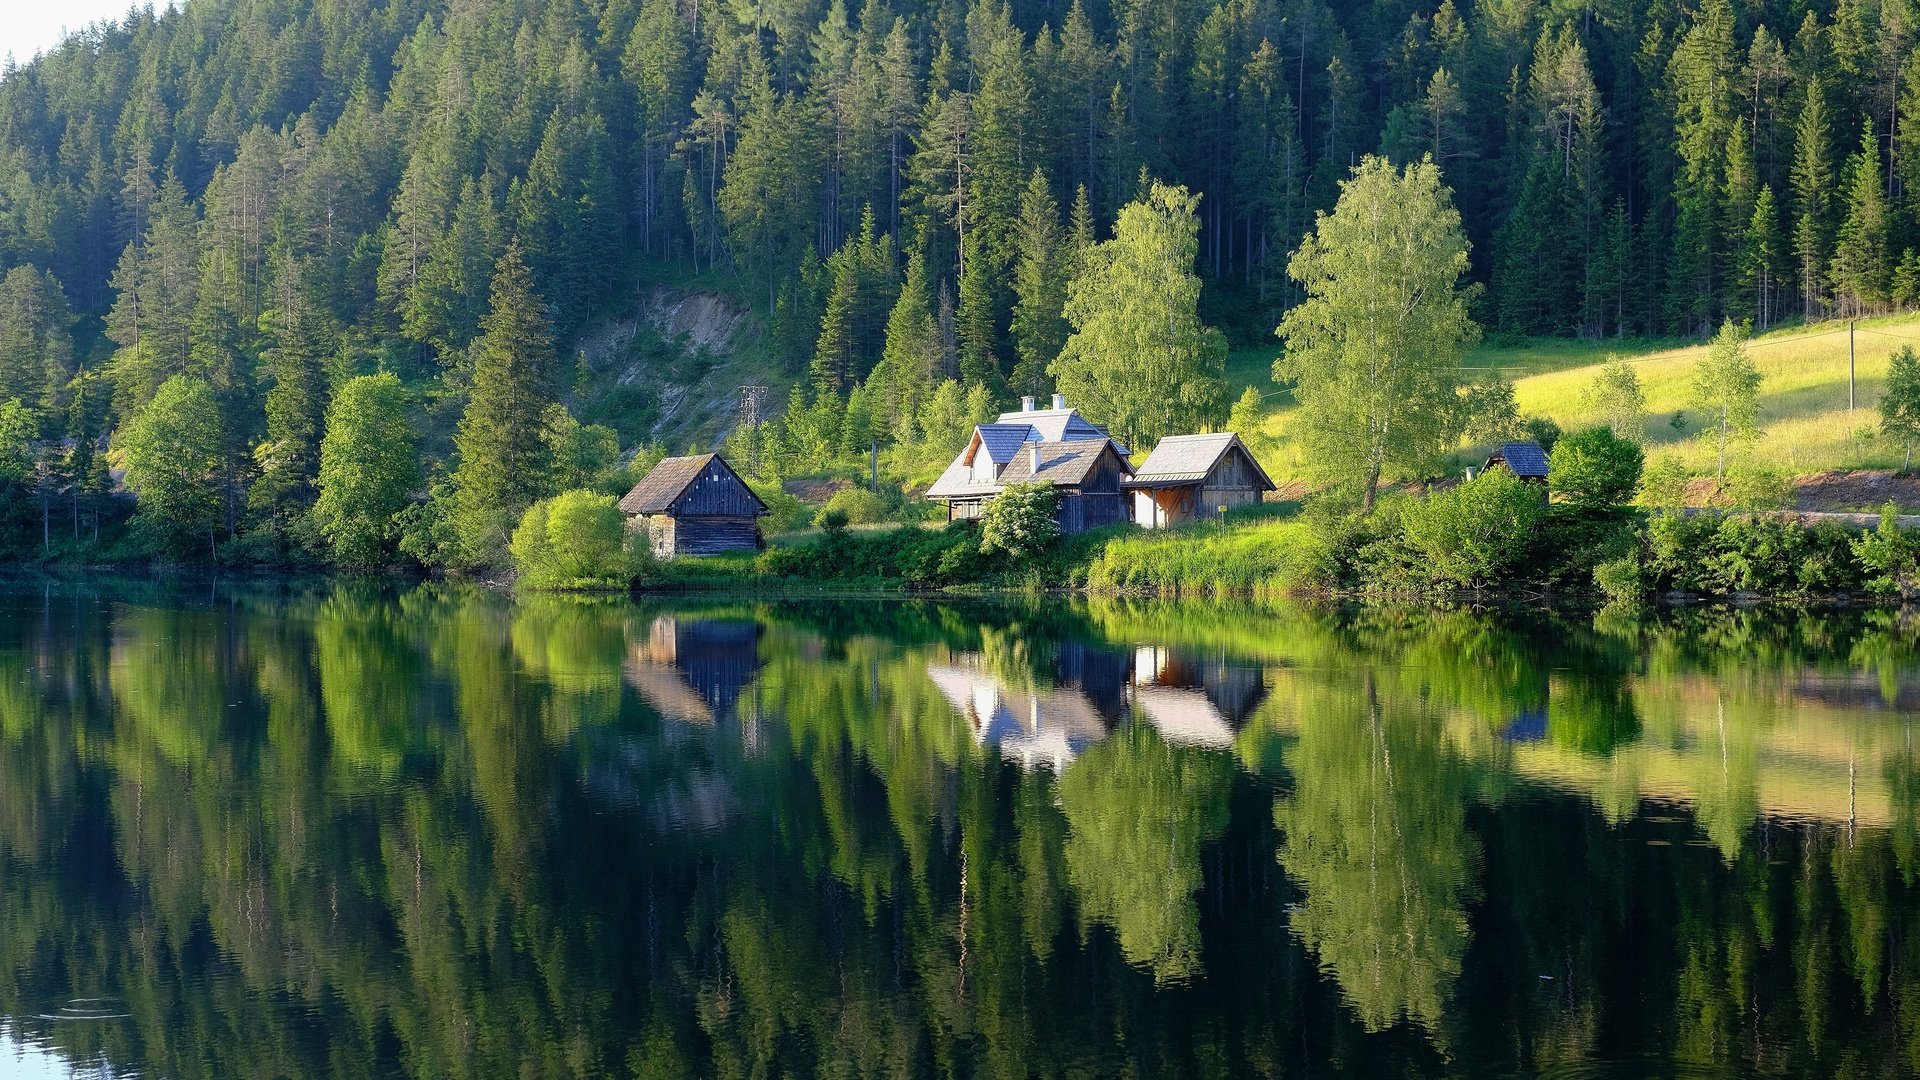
column 89, row 1009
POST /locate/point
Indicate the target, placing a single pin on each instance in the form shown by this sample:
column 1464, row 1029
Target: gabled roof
column 1523, row 458
column 657, row 491
column 1000, row 441
column 1188, row 459
column 1056, row 425
column 1062, row 464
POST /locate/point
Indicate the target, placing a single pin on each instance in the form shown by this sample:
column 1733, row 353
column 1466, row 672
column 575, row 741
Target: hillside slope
column 1806, row 426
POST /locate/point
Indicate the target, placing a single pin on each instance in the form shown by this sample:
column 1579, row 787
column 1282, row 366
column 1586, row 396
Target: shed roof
column 667, row 481
column 1523, row 458
column 1056, row 425
column 1188, row 459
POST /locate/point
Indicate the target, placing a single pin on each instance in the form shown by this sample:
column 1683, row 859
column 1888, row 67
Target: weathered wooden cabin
column 1054, row 446
column 695, row 506
column 1525, row 460
column 1192, row 477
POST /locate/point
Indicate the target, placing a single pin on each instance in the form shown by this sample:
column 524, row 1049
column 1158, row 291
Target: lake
column 377, row 829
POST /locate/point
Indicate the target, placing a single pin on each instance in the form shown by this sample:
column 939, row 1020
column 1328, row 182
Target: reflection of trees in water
column 1376, row 837
column 338, row 833
column 1140, row 811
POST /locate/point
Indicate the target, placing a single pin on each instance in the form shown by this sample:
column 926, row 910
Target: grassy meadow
column 1805, row 424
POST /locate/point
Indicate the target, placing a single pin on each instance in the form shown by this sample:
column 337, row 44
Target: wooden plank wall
column 715, row 493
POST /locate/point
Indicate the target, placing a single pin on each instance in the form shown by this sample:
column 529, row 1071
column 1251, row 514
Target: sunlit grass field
column 1804, row 420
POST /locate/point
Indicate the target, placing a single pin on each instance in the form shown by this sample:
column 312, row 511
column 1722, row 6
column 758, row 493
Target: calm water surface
column 367, row 831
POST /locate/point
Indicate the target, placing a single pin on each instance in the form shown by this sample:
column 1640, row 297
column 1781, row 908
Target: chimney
column 1026, row 403
column 1033, row 458
column 1059, row 401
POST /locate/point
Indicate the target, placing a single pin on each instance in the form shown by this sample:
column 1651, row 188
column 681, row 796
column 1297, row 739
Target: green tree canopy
column 173, row 455
column 1139, row 359
column 1372, row 349
column 368, row 468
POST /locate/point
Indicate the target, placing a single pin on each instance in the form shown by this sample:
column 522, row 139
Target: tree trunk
column 1373, row 488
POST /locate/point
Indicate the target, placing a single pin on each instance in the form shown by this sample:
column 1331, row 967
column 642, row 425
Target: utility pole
column 1850, row 325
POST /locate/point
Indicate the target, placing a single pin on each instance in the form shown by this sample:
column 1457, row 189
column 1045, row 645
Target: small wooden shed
column 695, row 506
column 1189, row 477
column 1525, row 460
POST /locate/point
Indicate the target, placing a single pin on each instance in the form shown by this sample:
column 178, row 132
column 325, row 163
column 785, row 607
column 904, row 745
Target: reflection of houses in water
column 693, row 670
column 1194, row 701
column 1188, row 701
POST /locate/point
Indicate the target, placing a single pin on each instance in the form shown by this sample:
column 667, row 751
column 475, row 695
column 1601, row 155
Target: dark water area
column 379, row 830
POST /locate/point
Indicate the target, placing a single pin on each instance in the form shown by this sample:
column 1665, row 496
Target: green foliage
column 172, row 451
column 18, row 432
column 859, row 506
column 1758, row 487
column 1616, row 399
column 1594, row 468
column 575, row 540
column 908, row 556
column 1900, row 401
column 368, row 469
column 1889, row 557
column 1372, row 350
column 1022, row 521
column 1472, row 534
column 1139, row 360
column 1663, row 485
column 1242, row 559
column 1726, row 386
column 505, row 457
column 1740, row 553
column 833, row 522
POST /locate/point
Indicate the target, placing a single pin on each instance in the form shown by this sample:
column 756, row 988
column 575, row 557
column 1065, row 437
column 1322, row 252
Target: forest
column 238, row 231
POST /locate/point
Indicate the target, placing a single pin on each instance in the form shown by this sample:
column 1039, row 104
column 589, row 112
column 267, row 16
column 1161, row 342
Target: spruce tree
column 1039, row 285
column 504, row 459
column 1860, row 269
column 1812, row 191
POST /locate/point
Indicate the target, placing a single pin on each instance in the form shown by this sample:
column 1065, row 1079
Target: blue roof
column 1524, row 458
column 1002, row 441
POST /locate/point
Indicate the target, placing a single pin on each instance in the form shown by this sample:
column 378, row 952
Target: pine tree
column 1860, row 252
column 1762, row 256
column 1812, row 184
column 911, row 359
column 1040, row 286
column 504, row 461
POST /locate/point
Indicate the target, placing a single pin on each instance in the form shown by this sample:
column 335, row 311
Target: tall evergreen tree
column 504, row 459
column 1040, row 277
column 1861, row 266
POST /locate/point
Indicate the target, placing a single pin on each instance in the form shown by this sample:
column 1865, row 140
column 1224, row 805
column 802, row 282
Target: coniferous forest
column 249, row 245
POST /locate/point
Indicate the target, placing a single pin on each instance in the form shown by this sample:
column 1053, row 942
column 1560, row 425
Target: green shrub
column 575, row 540
column 785, row 513
column 1889, row 559
column 1470, row 535
column 1621, row 580
column 1021, row 522
column 1742, row 553
column 1594, row 468
column 1663, row 485
column 919, row 558
column 859, row 505
column 830, row 521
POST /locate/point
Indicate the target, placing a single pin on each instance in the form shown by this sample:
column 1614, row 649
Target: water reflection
column 364, row 830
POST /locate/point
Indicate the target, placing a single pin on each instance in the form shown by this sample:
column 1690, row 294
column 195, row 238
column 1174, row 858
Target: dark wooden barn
column 1188, row 477
column 695, row 506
